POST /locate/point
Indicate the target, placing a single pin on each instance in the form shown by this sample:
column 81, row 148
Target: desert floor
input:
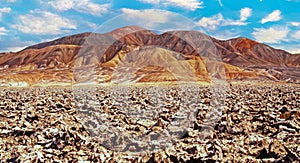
column 183, row 123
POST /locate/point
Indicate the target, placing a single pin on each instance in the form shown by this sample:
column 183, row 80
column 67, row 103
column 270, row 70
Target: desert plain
column 166, row 123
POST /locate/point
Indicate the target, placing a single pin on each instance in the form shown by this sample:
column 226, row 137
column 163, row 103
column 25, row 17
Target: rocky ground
column 246, row 123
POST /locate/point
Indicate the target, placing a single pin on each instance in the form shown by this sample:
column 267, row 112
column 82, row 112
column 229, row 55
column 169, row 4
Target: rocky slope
column 148, row 57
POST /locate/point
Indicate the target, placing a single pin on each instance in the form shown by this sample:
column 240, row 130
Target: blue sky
column 273, row 22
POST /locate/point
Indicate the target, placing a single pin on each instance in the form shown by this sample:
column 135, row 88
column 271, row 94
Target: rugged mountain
column 91, row 38
column 51, row 64
column 251, row 55
column 134, row 54
column 78, row 39
column 247, row 53
column 293, row 60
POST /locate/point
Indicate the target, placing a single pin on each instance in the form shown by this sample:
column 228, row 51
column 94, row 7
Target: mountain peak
column 77, row 39
column 121, row 32
column 128, row 28
column 245, row 43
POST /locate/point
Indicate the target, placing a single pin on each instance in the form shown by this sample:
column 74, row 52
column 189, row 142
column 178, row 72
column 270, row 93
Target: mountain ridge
column 105, row 50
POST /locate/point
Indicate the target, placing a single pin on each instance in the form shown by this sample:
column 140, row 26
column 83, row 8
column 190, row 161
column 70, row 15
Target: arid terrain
column 132, row 95
column 256, row 123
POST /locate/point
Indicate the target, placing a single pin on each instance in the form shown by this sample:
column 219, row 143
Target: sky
column 28, row 22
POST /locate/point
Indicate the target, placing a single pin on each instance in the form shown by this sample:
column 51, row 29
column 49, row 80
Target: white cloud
column 149, row 18
column 293, row 50
column 229, row 22
column 11, row 1
column 185, row 4
column 14, row 44
column 212, row 23
column 62, row 5
column 245, row 13
column 4, row 10
column 95, row 9
column 3, row 31
column 225, row 35
column 16, row 49
column 154, row 2
column 92, row 25
column 296, row 24
column 220, row 3
column 153, row 19
column 292, row 0
column 43, row 22
column 83, row 6
column 271, row 35
column 272, row 17
column 296, row 35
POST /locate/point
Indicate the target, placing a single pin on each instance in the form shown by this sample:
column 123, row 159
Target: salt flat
column 151, row 123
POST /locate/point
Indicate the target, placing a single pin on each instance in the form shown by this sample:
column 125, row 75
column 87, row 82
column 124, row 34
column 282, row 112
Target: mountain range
column 134, row 55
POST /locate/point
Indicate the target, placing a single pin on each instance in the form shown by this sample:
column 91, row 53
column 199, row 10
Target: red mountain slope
column 99, row 56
